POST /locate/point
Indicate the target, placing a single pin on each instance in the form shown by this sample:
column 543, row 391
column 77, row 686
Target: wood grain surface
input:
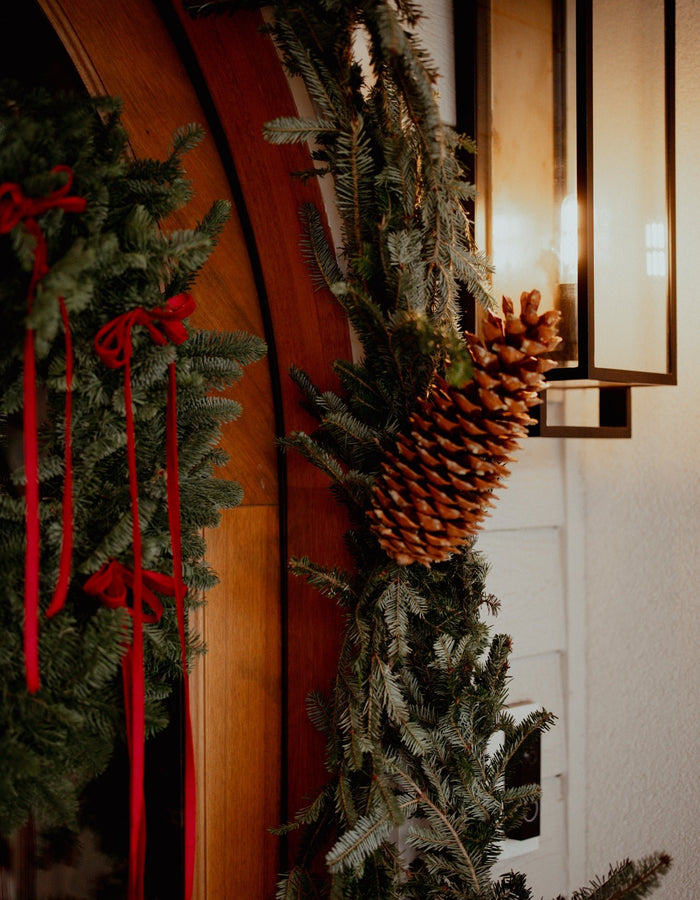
column 248, row 88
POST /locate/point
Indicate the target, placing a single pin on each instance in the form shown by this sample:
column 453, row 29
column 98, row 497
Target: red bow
column 113, row 341
column 112, row 583
column 16, row 207
column 113, row 345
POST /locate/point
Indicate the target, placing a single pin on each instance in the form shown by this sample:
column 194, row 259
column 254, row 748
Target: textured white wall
column 642, row 522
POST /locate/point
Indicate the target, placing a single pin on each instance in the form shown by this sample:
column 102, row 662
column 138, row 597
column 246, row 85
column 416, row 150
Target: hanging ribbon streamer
column 16, row 207
column 111, row 585
column 172, row 465
column 114, row 347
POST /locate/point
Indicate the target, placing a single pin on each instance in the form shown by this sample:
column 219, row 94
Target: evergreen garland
column 112, row 258
column 421, row 685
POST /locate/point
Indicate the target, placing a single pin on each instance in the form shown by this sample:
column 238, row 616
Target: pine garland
column 112, row 258
column 421, row 684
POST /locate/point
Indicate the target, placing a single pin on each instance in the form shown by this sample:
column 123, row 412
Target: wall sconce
column 572, row 106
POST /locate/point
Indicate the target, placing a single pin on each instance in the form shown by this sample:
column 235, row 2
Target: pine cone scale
column 434, row 488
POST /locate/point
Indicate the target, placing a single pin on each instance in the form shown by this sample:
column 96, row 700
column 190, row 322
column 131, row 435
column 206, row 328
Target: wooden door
column 270, row 640
column 124, row 49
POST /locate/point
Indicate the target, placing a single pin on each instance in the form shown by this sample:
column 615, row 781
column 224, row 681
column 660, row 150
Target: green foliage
column 419, row 694
column 629, row 879
column 113, row 257
column 421, row 685
column 400, row 187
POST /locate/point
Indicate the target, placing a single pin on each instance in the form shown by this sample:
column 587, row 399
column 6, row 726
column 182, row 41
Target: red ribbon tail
column 113, row 346
column 126, row 686
column 141, row 862
column 64, row 569
column 137, row 809
column 137, row 833
column 137, row 737
column 23, row 208
column 31, row 562
column 190, row 798
column 172, row 464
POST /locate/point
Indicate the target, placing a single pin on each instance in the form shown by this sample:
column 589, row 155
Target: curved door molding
column 248, row 88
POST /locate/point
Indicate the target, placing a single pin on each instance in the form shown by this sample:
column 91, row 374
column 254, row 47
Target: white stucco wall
column 642, row 524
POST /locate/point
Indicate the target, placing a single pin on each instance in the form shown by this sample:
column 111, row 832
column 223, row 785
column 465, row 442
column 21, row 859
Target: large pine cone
column 435, row 486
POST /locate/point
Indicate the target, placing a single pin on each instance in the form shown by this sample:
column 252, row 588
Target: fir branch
column 438, row 815
column 300, row 50
column 389, row 692
column 628, row 879
column 329, row 581
column 356, row 844
column 214, row 221
column 298, row 884
column 315, row 454
column 316, row 249
column 293, row 130
column 318, row 712
column 344, row 803
column 535, row 723
column 185, row 138
column 354, row 195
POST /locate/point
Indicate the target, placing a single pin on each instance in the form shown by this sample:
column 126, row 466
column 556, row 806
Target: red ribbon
column 111, row 585
column 113, row 345
column 16, row 207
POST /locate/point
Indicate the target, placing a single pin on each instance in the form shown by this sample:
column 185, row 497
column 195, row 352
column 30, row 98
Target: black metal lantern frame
column 487, row 33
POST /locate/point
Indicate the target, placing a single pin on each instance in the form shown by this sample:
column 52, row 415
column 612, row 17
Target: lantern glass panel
column 518, row 132
column 527, row 213
column 630, row 240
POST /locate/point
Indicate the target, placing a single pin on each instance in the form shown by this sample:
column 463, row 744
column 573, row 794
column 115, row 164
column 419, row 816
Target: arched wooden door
column 269, row 640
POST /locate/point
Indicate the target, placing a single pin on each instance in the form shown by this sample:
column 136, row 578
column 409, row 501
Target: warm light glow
column 656, row 249
column 511, row 230
column 519, row 183
column 568, row 240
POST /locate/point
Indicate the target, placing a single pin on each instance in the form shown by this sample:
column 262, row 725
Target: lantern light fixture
column 572, row 106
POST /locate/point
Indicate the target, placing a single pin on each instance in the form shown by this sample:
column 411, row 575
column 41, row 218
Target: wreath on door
column 110, row 417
